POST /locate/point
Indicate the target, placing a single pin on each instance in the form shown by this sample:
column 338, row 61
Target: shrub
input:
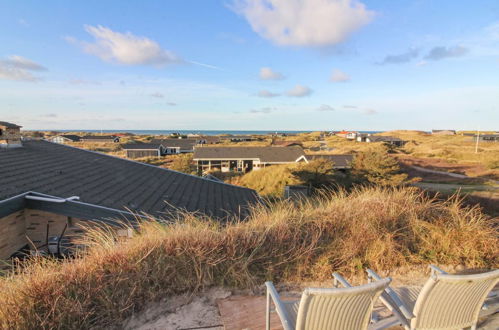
column 376, row 167
column 316, row 173
column 183, row 163
column 269, row 181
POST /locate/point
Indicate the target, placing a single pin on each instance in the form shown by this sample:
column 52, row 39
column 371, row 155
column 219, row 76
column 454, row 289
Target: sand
column 181, row 312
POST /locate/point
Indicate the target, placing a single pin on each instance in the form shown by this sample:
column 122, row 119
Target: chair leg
column 267, row 312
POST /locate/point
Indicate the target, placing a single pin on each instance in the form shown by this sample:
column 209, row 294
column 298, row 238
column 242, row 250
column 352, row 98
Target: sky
column 250, row 64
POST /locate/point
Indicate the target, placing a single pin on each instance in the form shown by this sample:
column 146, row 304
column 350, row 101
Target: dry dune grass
column 370, row 227
column 454, row 148
column 269, row 181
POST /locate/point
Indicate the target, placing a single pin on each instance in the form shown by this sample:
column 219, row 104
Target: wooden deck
column 246, row 312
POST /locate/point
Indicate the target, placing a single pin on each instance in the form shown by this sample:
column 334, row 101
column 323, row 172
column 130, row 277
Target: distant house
column 443, row 132
column 340, row 162
column 487, row 137
column 282, row 143
column 140, row 150
column 245, row 159
column 340, row 133
column 65, row 138
column 176, row 146
column 10, row 135
column 361, row 137
column 208, row 139
column 101, row 138
column 281, row 134
column 383, row 139
column 346, row 134
column 351, row 135
column 238, row 138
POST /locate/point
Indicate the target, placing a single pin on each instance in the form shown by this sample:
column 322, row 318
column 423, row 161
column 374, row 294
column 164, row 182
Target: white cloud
column 304, row 22
column 369, row 112
column 266, row 93
column 325, row 107
column 339, row 76
column 299, row 91
column 401, row 58
column 267, row 73
column 23, row 22
column 125, row 48
column 158, row 95
column 16, row 67
column 440, row 53
column 83, row 82
column 262, row 110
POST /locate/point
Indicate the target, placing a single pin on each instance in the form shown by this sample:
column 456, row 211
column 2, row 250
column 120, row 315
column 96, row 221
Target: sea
column 185, row 132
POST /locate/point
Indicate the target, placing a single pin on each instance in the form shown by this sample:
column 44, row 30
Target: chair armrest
column 435, row 270
column 279, row 306
column 337, row 278
column 390, row 299
column 371, row 275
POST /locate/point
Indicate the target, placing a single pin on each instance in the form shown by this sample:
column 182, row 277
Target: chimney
column 10, row 135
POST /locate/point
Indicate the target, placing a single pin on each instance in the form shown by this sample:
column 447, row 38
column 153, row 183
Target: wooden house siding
column 131, row 153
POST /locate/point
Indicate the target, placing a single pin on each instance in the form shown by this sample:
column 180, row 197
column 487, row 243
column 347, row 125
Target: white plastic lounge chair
column 327, row 309
column 445, row 302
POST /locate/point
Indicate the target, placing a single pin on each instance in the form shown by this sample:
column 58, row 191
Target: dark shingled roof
column 185, row 144
column 340, row 161
column 377, row 138
column 9, row 125
column 99, row 137
column 265, row 154
column 284, row 143
column 99, row 179
column 71, row 137
column 141, row 146
column 210, row 139
column 237, row 137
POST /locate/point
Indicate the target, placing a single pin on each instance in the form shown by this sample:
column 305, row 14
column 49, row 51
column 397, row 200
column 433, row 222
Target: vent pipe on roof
column 52, row 200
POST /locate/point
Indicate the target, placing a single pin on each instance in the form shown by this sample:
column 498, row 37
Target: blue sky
column 241, row 64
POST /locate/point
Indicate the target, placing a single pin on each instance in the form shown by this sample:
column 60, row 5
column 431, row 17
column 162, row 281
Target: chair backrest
column 338, row 308
column 452, row 301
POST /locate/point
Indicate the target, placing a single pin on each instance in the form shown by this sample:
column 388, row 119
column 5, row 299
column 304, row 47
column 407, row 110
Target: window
column 1, row 132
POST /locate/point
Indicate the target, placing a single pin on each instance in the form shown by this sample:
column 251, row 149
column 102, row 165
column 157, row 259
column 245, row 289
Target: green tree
column 183, row 163
column 317, row 173
column 377, row 167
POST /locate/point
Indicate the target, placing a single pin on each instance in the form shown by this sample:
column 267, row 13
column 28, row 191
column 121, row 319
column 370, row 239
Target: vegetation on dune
column 269, row 181
column 183, row 163
column 454, row 148
column 378, row 168
column 382, row 228
column 371, row 167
